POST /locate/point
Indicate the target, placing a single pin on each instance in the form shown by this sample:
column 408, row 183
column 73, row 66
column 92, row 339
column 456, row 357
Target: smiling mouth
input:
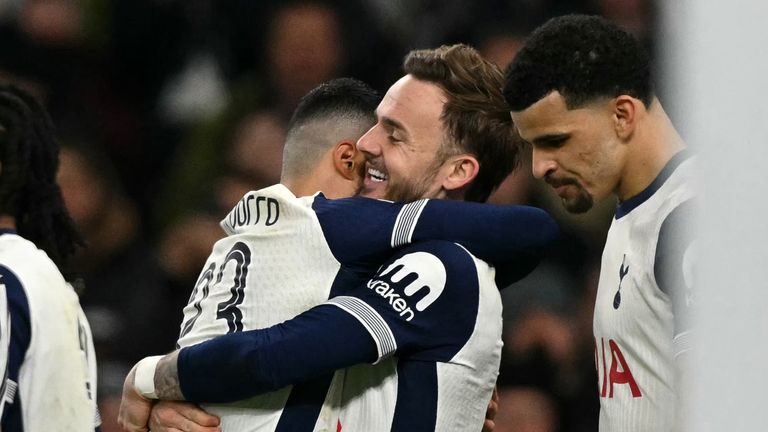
column 376, row 175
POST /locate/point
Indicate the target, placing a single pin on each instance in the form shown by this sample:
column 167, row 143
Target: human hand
column 134, row 408
column 172, row 416
column 490, row 413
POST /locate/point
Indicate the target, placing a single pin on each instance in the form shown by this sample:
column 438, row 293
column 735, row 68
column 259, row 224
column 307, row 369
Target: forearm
column 166, row 379
column 157, row 377
column 245, row 364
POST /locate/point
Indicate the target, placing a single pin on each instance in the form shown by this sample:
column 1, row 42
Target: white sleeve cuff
column 382, row 335
column 144, row 380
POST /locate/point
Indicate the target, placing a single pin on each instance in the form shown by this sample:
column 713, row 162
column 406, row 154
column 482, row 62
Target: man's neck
column 329, row 183
column 656, row 141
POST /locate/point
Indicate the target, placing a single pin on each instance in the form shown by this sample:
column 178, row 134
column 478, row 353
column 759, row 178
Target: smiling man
column 580, row 93
column 420, row 336
column 424, row 143
column 403, row 161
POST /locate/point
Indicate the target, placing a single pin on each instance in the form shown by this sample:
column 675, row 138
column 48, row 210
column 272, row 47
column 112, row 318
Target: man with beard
column 429, row 318
column 580, row 93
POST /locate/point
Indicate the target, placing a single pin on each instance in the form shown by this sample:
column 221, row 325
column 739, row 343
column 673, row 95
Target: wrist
column 144, row 378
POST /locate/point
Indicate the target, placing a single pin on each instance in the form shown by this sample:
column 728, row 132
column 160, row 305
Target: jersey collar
column 7, row 231
column 627, row 206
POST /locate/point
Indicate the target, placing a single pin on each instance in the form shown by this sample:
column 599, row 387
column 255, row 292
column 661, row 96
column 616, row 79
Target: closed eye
column 551, row 141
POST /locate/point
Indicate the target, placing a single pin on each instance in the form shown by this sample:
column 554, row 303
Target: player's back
column 274, row 264
column 46, row 350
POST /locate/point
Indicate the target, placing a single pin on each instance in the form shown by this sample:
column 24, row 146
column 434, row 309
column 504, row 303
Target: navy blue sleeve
column 362, row 229
column 241, row 365
column 422, row 304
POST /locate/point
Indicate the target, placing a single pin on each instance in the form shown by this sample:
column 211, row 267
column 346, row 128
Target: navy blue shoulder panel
column 21, row 334
column 428, row 294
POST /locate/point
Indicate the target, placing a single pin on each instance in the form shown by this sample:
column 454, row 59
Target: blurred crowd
column 168, row 111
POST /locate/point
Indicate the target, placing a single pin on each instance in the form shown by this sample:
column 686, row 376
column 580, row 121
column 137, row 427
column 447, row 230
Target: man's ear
column 625, row 111
column 345, row 159
column 462, row 169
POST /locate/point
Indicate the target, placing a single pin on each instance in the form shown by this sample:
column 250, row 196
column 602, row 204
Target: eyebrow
column 550, row 138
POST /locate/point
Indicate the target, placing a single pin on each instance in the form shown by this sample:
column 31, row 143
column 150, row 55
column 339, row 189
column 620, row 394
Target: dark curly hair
column 476, row 116
column 583, row 58
column 29, row 159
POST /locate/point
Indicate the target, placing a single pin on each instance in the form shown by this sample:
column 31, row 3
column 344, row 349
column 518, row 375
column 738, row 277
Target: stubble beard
column 409, row 192
column 581, row 203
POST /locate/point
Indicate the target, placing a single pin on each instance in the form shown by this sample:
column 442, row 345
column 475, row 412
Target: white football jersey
column 273, row 265
column 46, row 350
column 634, row 319
column 284, row 255
column 432, row 305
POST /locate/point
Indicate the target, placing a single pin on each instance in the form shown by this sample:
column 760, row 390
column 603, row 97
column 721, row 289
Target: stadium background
column 169, row 110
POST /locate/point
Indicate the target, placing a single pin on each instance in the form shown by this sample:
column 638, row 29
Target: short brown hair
column 476, row 116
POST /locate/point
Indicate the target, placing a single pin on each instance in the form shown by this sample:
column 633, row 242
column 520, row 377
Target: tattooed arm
column 138, row 409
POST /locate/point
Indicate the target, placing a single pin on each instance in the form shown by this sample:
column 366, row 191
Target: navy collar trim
column 7, row 231
column 627, row 206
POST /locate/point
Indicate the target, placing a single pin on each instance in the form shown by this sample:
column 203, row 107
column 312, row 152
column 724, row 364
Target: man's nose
column 368, row 143
column 542, row 163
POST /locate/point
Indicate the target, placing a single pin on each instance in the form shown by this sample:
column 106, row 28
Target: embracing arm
column 380, row 318
column 240, row 365
column 495, row 234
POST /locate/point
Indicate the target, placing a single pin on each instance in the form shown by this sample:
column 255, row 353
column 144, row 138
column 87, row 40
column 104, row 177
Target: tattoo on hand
column 167, row 384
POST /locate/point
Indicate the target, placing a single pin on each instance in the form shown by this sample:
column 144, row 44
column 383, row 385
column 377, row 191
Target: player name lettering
column 613, row 370
column 388, row 293
column 253, row 209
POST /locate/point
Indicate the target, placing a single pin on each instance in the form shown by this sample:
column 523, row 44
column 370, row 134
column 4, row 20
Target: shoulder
column 438, row 275
column 29, row 270
column 24, row 257
column 429, row 296
column 434, row 256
